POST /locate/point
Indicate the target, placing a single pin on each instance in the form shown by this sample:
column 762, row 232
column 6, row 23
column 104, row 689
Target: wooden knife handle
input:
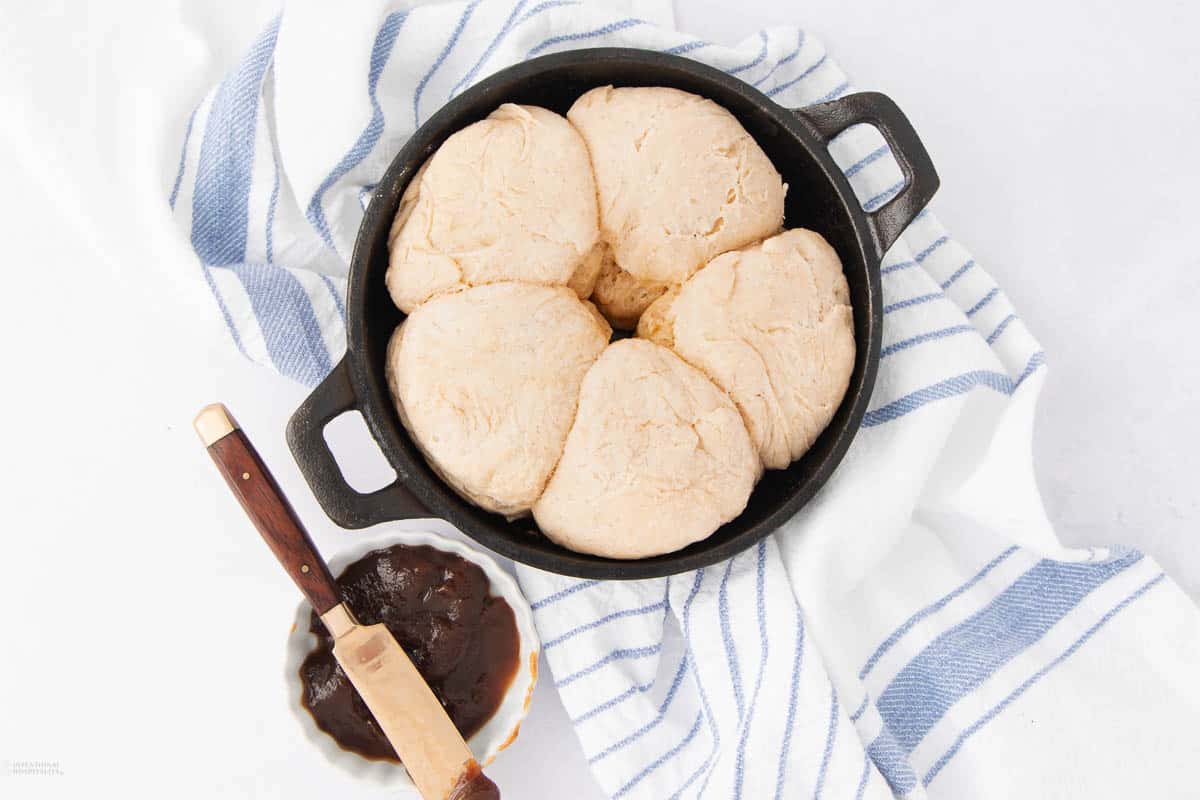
column 259, row 494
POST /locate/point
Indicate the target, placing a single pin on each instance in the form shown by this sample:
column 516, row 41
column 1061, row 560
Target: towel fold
column 916, row 630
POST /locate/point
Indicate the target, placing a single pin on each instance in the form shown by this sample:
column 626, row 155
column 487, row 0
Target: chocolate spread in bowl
column 463, row 640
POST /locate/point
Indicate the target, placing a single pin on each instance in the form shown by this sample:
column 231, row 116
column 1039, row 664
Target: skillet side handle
column 306, row 438
column 920, row 178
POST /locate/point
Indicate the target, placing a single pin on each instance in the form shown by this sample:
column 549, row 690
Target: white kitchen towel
column 917, row 630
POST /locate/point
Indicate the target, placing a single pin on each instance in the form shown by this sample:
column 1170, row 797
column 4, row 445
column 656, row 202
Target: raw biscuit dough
column 511, row 197
column 772, row 326
column 679, row 179
column 486, row 381
column 657, row 458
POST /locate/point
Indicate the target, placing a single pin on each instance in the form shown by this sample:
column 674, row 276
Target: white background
column 145, row 621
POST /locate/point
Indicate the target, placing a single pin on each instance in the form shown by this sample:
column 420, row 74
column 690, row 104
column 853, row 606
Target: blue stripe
column 1041, row 673
column 987, row 298
column 596, row 623
column 880, row 199
column 932, row 608
column 575, row 37
column 731, row 656
column 708, row 715
column 797, row 663
column 866, row 775
column 928, row 336
column 762, row 55
column 858, row 712
column 912, row 301
column 1036, row 360
column 665, row 757
column 491, row 48
column 829, row 739
column 337, row 296
column 785, row 60
column 691, row 779
column 686, row 47
column 928, row 251
column 507, row 28
column 221, row 195
column 959, row 660
column 1004, row 323
column 892, row 763
column 784, row 86
column 919, row 257
column 951, row 387
column 289, row 326
column 897, row 267
column 540, row 7
column 760, row 606
column 385, row 39
column 187, row 137
column 270, row 216
column 620, row 654
column 834, row 94
column 958, row 273
column 567, row 592
column 869, row 158
column 612, row 702
column 649, row 726
column 458, row 29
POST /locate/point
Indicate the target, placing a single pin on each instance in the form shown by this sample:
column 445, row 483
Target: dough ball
column 509, row 198
column 773, row 327
column 657, row 458
column 621, row 297
column 486, row 381
column 679, row 179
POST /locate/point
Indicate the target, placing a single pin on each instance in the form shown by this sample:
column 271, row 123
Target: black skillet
column 819, row 197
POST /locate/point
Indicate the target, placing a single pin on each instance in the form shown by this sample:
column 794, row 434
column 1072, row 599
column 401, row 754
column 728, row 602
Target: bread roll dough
column 657, row 458
column 679, row 179
column 772, row 326
column 510, row 197
column 486, row 382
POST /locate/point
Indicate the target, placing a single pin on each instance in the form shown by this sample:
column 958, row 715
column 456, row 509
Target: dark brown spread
column 463, row 640
column 474, row 785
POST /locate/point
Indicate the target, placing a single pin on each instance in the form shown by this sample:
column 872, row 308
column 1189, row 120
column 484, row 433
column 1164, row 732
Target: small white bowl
column 498, row 733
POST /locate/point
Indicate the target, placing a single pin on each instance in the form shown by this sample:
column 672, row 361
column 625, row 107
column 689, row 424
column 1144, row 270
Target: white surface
column 112, row 345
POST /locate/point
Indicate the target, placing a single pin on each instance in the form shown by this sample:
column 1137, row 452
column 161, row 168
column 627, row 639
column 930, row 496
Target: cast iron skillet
column 819, row 197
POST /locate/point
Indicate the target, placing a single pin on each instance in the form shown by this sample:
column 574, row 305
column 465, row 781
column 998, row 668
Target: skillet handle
column 920, row 178
column 306, row 438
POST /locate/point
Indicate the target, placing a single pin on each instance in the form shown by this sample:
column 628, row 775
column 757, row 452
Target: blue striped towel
column 917, row 630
